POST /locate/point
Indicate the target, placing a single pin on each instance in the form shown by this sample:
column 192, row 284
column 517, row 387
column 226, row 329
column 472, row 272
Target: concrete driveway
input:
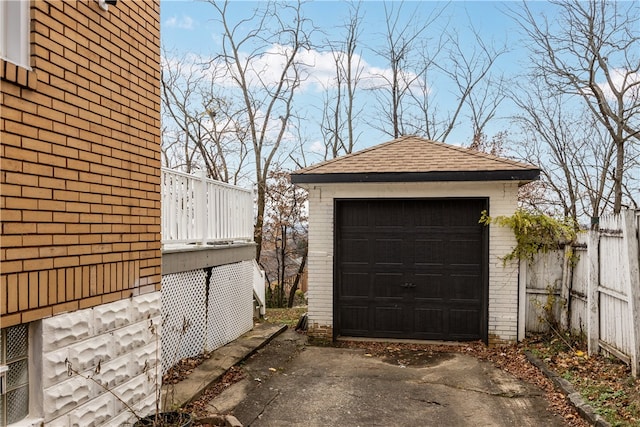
column 290, row 384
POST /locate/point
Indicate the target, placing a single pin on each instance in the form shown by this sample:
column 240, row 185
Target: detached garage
column 396, row 250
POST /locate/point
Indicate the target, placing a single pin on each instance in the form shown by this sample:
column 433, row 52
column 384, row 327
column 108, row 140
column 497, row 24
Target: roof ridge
column 350, row 155
column 420, row 139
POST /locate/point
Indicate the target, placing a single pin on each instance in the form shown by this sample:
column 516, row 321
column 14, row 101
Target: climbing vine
column 534, row 232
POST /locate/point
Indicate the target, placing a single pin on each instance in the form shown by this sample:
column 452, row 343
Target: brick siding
column 80, row 160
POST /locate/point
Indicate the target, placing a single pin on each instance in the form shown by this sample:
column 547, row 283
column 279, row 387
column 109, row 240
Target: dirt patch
column 415, row 358
column 184, row 368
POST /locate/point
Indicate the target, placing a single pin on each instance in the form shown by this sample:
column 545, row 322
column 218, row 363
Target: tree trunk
column 294, row 287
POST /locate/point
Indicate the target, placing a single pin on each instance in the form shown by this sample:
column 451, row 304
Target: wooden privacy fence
column 591, row 287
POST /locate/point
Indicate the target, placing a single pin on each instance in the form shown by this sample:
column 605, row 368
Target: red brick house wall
column 80, row 160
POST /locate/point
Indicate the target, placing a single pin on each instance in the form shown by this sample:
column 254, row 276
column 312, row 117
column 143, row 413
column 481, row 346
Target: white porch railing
column 199, row 210
column 259, row 288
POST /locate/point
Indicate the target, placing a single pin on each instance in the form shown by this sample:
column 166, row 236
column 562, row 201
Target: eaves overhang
column 523, row 176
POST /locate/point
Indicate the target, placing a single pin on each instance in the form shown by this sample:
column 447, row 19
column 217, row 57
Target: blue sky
column 188, row 24
column 190, row 27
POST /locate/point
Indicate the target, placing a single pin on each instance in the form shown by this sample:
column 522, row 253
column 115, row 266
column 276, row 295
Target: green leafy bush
column 534, row 232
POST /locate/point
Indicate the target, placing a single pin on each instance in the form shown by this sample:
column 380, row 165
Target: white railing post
column 199, row 210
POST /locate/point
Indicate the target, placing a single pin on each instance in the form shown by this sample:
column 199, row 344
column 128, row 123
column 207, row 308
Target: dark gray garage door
column 411, row 269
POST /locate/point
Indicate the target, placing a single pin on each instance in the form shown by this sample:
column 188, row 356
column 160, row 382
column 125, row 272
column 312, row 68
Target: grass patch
column 287, row 316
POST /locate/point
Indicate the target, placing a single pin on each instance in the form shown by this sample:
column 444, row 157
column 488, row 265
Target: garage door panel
column 354, row 284
column 429, row 287
column 355, row 251
column 433, row 216
column 354, row 319
column 389, row 320
column 352, row 214
column 388, row 285
column 464, row 251
column 464, row 323
column 429, row 321
column 464, row 212
column 464, row 288
column 388, row 251
column 384, row 215
column 429, row 252
column 426, row 266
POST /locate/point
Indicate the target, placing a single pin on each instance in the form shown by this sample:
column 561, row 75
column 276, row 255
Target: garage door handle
column 408, row 285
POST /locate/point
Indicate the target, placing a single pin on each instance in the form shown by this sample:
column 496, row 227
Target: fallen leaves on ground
column 183, row 368
column 604, row 381
column 199, row 406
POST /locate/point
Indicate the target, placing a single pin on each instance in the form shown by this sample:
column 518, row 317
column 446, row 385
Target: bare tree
column 202, row 129
column 425, row 69
column 408, row 61
column 576, row 159
column 592, row 51
column 494, row 145
column 261, row 58
column 340, row 112
column 468, row 73
column 285, row 237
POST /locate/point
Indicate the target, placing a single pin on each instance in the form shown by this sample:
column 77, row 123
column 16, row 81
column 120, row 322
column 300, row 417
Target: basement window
column 14, row 374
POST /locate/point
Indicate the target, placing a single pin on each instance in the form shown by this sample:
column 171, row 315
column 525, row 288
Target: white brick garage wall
column 503, row 280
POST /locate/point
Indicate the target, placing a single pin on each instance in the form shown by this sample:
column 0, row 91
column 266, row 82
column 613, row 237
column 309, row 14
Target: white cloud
column 622, row 79
column 317, row 147
column 185, row 22
column 318, row 70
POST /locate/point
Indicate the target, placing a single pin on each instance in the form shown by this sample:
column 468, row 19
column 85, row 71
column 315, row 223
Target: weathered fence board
column 594, row 286
column 544, row 279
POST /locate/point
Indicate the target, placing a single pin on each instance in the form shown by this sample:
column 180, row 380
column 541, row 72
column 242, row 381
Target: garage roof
column 415, row 159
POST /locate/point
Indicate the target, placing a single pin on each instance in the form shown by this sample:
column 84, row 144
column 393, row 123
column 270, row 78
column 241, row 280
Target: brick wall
column 503, row 280
column 80, row 160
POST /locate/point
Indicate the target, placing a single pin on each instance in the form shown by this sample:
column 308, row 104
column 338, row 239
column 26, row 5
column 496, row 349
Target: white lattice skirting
column 205, row 309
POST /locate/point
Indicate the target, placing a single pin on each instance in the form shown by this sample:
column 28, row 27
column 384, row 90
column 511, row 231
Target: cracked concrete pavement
column 290, row 384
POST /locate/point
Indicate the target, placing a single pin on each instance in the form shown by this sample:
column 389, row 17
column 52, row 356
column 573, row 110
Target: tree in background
column 589, row 56
column 408, row 60
column 253, row 49
column 577, row 159
column 422, row 60
column 340, row 111
column 202, row 128
column 467, row 72
column 284, row 256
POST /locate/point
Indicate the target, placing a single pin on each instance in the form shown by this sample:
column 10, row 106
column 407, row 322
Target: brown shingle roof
column 410, row 158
